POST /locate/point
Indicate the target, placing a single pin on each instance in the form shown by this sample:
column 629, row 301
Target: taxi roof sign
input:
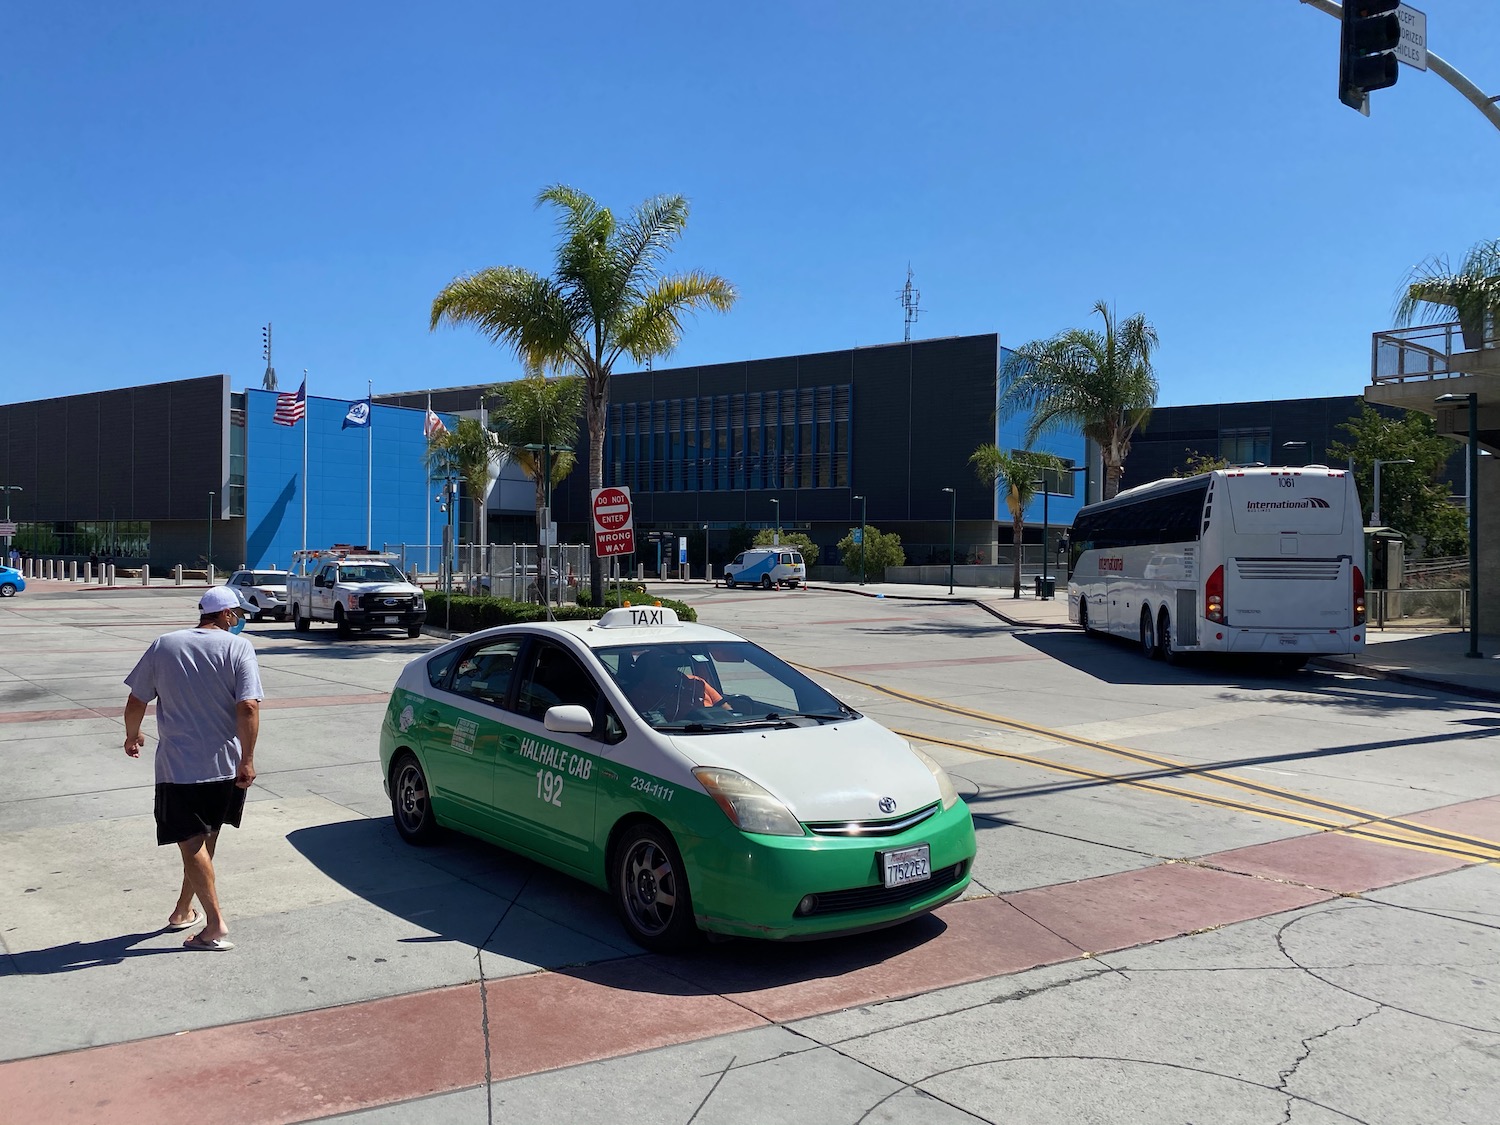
column 639, row 617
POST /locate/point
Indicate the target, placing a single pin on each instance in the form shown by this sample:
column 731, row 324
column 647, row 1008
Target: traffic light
column 1367, row 42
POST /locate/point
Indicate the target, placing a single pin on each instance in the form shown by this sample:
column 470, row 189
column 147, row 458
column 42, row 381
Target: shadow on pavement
column 417, row 884
column 75, row 955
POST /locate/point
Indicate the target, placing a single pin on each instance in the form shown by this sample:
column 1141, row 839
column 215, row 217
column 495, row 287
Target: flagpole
column 306, row 425
column 427, row 547
column 369, row 454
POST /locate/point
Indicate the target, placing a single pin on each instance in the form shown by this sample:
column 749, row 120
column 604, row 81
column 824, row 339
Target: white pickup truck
column 355, row 591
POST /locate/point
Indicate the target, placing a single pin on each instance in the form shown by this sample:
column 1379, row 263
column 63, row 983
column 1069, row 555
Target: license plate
column 907, row 865
column 1287, row 640
column 392, row 620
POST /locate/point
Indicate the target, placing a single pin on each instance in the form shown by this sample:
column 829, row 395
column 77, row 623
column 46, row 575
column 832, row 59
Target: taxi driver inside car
column 701, row 781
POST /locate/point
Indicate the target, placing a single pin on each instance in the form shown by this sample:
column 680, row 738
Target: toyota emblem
column 888, row 805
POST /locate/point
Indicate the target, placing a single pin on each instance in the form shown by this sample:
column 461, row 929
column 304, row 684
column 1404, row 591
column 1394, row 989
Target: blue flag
column 359, row 414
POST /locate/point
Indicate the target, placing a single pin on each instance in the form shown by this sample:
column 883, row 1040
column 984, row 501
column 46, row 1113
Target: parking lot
column 1201, row 894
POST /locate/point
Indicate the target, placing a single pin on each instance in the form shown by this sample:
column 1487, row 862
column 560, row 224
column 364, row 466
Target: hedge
column 465, row 613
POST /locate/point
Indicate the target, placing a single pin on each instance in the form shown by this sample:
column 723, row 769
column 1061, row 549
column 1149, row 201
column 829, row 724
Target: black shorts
column 185, row 811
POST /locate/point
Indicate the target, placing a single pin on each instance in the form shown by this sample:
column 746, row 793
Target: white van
column 766, row 567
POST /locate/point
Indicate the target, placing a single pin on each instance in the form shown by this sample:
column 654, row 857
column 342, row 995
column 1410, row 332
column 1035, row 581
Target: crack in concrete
column 1287, row 1073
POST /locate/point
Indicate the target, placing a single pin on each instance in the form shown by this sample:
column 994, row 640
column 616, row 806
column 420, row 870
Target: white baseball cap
column 217, row 600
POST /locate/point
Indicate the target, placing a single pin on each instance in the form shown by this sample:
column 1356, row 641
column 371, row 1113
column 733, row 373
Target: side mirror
column 568, row 718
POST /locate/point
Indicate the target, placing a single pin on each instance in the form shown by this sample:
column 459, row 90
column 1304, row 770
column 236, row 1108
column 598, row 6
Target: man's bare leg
column 198, row 879
column 182, row 913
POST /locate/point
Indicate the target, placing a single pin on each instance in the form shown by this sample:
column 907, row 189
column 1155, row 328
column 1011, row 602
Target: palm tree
column 606, row 298
column 1472, row 292
column 1021, row 475
column 538, row 418
column 1102, row 383
column 465, row 453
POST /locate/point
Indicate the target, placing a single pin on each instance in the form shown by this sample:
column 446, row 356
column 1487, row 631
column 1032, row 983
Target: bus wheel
column 1164, row 639
column 1148, row 636
column 1083, row 617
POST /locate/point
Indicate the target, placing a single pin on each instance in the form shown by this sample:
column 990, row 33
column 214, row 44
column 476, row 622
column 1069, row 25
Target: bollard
column 210, row 574
column 88, row 572
column 146, row 575
column 177, row 574
column 99, row 578
column 110, row 569
column 72, row 570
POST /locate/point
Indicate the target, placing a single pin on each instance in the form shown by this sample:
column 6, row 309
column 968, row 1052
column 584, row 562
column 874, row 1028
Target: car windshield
column 710, row 687
column 266, row 578
column 370, row 572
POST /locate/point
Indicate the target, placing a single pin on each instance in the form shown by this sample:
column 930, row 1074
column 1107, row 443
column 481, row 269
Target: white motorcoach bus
column 1244, row 560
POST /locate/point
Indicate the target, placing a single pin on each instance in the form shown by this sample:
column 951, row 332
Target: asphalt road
column 1202, row 894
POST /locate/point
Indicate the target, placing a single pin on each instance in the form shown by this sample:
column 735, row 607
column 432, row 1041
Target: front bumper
column 378, row 619
column 751, row 885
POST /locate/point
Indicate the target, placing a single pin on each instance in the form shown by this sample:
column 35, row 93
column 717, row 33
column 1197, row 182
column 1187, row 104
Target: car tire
column 651, row 890
column 411, row 801
column 341, row 623
column 413, row 632
column 1148, row 636
column 7, row 590
column 300, row 623
column 765, row 582
column 728, row 582
column 255, row 611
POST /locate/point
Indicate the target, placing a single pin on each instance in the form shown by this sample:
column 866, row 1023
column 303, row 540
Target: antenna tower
column 269, row 380
column 909, row 298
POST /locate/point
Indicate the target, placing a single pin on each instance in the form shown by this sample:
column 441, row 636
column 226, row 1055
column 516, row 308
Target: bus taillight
column 1359, row 597
column 1213, row 596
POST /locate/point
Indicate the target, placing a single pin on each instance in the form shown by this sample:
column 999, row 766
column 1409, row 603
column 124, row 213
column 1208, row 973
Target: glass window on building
column 1245, row 446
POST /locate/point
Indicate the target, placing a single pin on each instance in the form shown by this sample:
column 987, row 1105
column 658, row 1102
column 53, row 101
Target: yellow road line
column 1362, row 822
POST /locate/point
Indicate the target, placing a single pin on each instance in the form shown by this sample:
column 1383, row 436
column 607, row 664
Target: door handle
column 431, row 715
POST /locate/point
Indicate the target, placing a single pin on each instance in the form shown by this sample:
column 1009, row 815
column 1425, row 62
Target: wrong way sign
column 614, row 526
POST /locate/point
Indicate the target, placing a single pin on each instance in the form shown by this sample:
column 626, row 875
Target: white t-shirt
column 197, row 677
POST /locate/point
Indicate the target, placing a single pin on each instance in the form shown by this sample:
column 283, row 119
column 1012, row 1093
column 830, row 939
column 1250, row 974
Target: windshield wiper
column 821, row 718
column 739, row 724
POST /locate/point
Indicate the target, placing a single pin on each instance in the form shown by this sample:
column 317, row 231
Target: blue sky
column 177, row 175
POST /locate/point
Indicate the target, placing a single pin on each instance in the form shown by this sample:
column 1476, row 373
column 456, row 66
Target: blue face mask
column 239, row 624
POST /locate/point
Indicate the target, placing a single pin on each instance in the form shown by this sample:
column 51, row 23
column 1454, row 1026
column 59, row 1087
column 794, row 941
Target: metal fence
column 522, row 572
column 1426, row 351
column 1417, row 609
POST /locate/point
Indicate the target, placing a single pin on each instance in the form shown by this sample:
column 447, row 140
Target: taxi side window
column 440, row 665
column 484, row 672
column 554, row 679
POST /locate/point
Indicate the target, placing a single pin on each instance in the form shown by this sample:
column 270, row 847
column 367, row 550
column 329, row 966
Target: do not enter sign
column 614, row 529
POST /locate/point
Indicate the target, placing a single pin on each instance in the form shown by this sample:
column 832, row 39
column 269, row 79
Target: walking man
column 206, row 684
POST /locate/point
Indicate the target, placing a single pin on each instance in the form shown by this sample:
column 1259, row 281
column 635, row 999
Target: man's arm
column 135, row 712
column 247, row 727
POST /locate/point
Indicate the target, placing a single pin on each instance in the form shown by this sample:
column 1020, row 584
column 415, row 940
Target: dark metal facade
column 140, row 453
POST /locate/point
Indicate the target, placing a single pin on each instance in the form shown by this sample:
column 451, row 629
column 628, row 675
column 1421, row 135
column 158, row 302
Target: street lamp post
column 1046, row 523
column 1375, row 510
column 864, row 534
column 952, row 532
column 210, row 536
column 777, row 540
column 1473, row 399
column 9, row 538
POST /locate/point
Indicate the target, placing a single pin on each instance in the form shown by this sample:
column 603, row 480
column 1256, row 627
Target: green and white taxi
column 700, row 780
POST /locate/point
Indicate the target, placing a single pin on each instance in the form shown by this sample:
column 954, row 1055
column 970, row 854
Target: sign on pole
column 1412, row 50
column 7, row 528
column 614, row 526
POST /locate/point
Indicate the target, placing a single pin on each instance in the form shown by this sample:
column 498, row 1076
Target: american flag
column 291, row 408
column 433, row 426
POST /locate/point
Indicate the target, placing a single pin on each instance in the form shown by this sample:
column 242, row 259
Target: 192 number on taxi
column 549, row 787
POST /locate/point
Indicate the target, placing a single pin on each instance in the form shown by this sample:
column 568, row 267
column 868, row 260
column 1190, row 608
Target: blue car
column 11, row 582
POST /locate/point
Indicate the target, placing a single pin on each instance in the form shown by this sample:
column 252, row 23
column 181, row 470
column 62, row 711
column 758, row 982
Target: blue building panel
column 343, row 469
column 1065, row 441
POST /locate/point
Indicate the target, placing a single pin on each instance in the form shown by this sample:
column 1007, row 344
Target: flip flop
column 174, row 927
column 208, row 945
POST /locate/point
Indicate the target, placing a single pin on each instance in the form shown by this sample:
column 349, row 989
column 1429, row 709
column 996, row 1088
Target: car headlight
column 420, row 603
column 748, row 807
column 940, row 775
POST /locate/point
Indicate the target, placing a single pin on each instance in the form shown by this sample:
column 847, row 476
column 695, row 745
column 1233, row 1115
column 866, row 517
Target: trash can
column 1045, row 587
